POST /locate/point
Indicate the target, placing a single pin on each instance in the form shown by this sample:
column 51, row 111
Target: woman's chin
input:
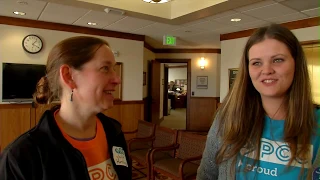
column 107, row 105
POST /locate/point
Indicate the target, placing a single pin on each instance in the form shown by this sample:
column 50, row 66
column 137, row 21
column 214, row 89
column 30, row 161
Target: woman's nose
column 267, row 69
column 116, row 79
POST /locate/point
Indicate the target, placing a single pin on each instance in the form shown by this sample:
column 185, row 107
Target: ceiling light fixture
column 114, row 11
column 22, row 3
column 157, row 1
column 235, row 19
column 19, row 13
column 92, row 23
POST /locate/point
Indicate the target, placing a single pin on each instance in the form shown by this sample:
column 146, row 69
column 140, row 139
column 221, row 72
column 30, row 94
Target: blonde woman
column 267, row 127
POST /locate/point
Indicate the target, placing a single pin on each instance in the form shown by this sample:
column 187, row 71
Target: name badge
column 119, row 156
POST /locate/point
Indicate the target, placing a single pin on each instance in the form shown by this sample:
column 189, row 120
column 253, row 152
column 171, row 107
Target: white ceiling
column 200, row 33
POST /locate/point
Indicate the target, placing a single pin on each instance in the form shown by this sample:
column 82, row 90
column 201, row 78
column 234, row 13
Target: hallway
column 176, row 119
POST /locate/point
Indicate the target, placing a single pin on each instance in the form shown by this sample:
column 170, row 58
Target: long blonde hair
column 241, row 113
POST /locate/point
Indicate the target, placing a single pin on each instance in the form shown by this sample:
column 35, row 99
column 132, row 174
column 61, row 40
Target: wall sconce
column 202, row 63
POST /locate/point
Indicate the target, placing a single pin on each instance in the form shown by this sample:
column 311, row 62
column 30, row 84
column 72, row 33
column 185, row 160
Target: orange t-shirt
column 96, row 154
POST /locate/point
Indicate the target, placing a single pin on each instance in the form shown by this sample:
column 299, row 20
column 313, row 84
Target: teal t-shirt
column 274, row 155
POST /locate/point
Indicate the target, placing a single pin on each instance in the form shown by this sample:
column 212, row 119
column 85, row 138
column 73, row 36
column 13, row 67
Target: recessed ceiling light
column 92, row 23
column 156, row 1
column 235, row 19
column 22, row 2
column 19, row 13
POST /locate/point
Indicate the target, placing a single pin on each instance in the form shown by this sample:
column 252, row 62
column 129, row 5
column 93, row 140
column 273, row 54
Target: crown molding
column 312, row 42
column 183, row 66
column 290, row 25
column 218, row 51
column 68, row 28
column 149, row 47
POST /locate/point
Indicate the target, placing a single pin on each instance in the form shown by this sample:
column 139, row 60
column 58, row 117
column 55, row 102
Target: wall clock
column 32, row 44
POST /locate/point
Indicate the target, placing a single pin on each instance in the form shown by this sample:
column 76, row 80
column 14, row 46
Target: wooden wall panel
column 114, row 112
column 128, row 115
column 15, row 119
column 202, row 110
column 39, row 111
column 13, row 123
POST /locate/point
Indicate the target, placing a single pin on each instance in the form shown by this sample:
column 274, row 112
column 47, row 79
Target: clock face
column 32, row 44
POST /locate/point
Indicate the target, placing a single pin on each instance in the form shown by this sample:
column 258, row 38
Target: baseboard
column 161, row 119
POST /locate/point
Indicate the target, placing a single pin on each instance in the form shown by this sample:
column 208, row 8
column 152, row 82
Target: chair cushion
column 140, row 155
column 172, row 166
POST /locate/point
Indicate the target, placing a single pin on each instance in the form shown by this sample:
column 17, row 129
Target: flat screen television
column 19, row 81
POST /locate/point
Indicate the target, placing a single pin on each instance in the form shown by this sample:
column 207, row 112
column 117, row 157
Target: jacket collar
column 48, row 125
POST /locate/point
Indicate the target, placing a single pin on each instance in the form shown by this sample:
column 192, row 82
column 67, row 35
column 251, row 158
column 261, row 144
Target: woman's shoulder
column 22, row 147
column 317, row 109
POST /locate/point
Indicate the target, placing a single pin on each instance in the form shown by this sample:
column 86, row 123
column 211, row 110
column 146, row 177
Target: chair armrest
column 140, row 140
column 130, row 132
column 187, row 160
column 154, row 150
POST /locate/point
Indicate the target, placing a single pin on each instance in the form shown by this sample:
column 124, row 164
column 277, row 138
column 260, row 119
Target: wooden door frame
column 188, row 61
column 165, row 90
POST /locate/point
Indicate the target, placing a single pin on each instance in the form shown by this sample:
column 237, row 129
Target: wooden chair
column 164, row 137
column 144, row 130
column 184, row 164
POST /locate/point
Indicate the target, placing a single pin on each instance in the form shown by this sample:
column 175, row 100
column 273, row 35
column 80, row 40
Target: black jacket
column 42, row 153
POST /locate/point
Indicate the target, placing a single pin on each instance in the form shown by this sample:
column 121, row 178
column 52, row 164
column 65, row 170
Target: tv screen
column 19, row 81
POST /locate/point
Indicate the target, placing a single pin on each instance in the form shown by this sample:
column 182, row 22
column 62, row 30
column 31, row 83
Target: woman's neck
column 275, row 108
column 76, row 122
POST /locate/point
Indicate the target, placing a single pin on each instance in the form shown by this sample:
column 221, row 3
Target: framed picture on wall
column 202, row 82
column 118, row 91
column 232, row 76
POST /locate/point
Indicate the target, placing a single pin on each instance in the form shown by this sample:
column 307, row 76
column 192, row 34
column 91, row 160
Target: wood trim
column 148, row 46
column 33, row 117
column 160, row 120
column 304, row 43
column 172, row 67
column 117, row 102
column 29, row 105
column 290, row 25
column 173, row 60
column 15, row 106
column 218, row 51
column 68, row 28
column 217, row 98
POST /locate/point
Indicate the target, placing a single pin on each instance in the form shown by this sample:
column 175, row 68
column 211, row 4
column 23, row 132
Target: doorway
column 175, row 95
column 181, row 94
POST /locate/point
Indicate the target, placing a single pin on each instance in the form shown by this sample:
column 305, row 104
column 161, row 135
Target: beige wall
column 312, row 53
column 147, row 55
column 131, row 54
column 231, row 52
column 177, row 73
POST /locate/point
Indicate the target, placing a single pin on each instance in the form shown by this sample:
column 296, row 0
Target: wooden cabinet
column 14, row 121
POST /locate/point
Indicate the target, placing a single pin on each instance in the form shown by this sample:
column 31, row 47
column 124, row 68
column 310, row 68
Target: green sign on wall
column 169, row 40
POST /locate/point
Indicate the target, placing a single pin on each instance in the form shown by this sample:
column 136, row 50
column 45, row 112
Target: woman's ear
column 66, row 76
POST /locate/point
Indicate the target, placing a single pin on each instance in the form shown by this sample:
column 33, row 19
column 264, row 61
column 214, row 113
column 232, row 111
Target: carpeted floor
column 176, row 119
column 139, row 173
